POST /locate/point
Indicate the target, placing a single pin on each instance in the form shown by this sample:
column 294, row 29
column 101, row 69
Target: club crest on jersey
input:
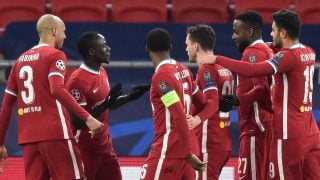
column 60, row 64
column 163, row 87
column 75, row 93
column 252, row 58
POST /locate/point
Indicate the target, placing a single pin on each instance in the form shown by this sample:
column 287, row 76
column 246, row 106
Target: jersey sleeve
column 12, row 87
column 207, row 79
column 246, row 69
column 167, row 88
column 283, row 61
column 59, row 91
column 57, row 64
column 5, row 114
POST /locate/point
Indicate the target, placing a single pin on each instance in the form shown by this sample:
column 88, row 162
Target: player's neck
column 200, row 56
column 94, row 66
column 288, row 43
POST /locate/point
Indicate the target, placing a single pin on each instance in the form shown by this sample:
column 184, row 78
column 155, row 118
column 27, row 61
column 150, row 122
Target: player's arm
column 135, row 93
column 207, row 81
column 114, row 93
column 171, row 101
column 280, row 62
column 8, row 102
column 165, row 86
column 56, row 75
column 261, row 84
column 246, row 69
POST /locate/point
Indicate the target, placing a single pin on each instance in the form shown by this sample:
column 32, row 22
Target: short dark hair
column 86, row 41
column 251, row 18
column 202, row 34
column 158, row 39
column 289, row 21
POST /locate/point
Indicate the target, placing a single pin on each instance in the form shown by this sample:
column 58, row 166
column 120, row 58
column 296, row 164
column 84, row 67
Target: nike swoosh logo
column 95, row 90
column 242, row 177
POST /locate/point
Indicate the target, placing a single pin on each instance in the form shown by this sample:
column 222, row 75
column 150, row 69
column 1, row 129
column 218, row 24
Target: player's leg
column 247, row 168
column 166, row 169
column 35, row 168
column 216, row 161
column 286, row 159
column 109, row 168
column 311, row 169
column 62, row 158
column 91, row 164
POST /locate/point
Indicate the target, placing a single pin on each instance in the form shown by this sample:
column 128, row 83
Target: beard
column 243, row 45
column 277, row 44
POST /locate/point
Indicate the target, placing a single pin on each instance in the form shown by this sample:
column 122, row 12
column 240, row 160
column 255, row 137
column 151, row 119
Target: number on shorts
column 143, row 171
column 271, row 170
column 242, row 165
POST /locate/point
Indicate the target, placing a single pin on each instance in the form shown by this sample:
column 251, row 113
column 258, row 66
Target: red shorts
column 252, row 163
column 167, row 169
column 295, row 158
column 58, row 159
column 216, row 161
column 101, row 166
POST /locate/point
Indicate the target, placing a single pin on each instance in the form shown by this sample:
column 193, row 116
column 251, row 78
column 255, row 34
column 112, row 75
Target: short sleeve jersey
column 253, row 115
column 215, row 81
column 90, row 88
column 292, row 101
column 169, row 75
column 41, row 117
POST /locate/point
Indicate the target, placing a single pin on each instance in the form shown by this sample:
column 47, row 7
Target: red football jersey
column 169, row 122
column 41, row 116
column 252, row 115
column 292, row 101
column 90, row 88
column 215, row 81
column 292, row 92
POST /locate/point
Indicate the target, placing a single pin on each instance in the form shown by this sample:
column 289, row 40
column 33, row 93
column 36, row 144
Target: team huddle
column 63, row 124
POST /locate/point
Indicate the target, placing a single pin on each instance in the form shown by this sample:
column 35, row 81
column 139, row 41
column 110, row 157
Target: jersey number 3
column 26, row 74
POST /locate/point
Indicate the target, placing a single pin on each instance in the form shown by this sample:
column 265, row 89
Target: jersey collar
column 167, row 61
column 87, row 68
column 40, row 45
column 299, row 45
column 256, row 42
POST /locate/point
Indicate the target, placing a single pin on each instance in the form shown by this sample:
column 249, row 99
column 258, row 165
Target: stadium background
column 131, row 125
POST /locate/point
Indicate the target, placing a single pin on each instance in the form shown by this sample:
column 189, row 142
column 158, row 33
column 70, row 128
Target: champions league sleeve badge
column 208, row 80
column 60, row 65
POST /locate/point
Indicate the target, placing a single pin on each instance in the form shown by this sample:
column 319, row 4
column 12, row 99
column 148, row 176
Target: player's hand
column 208, row 59
column 138, row 91
column 228, row 102
column 193, row 121
column 3, row 156
column 94, row 125
column 114, row 93
column 196, row 163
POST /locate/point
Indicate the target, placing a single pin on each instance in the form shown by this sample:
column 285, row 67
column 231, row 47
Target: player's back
column 292, row 102
column 170, row 75
column 40, row 116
